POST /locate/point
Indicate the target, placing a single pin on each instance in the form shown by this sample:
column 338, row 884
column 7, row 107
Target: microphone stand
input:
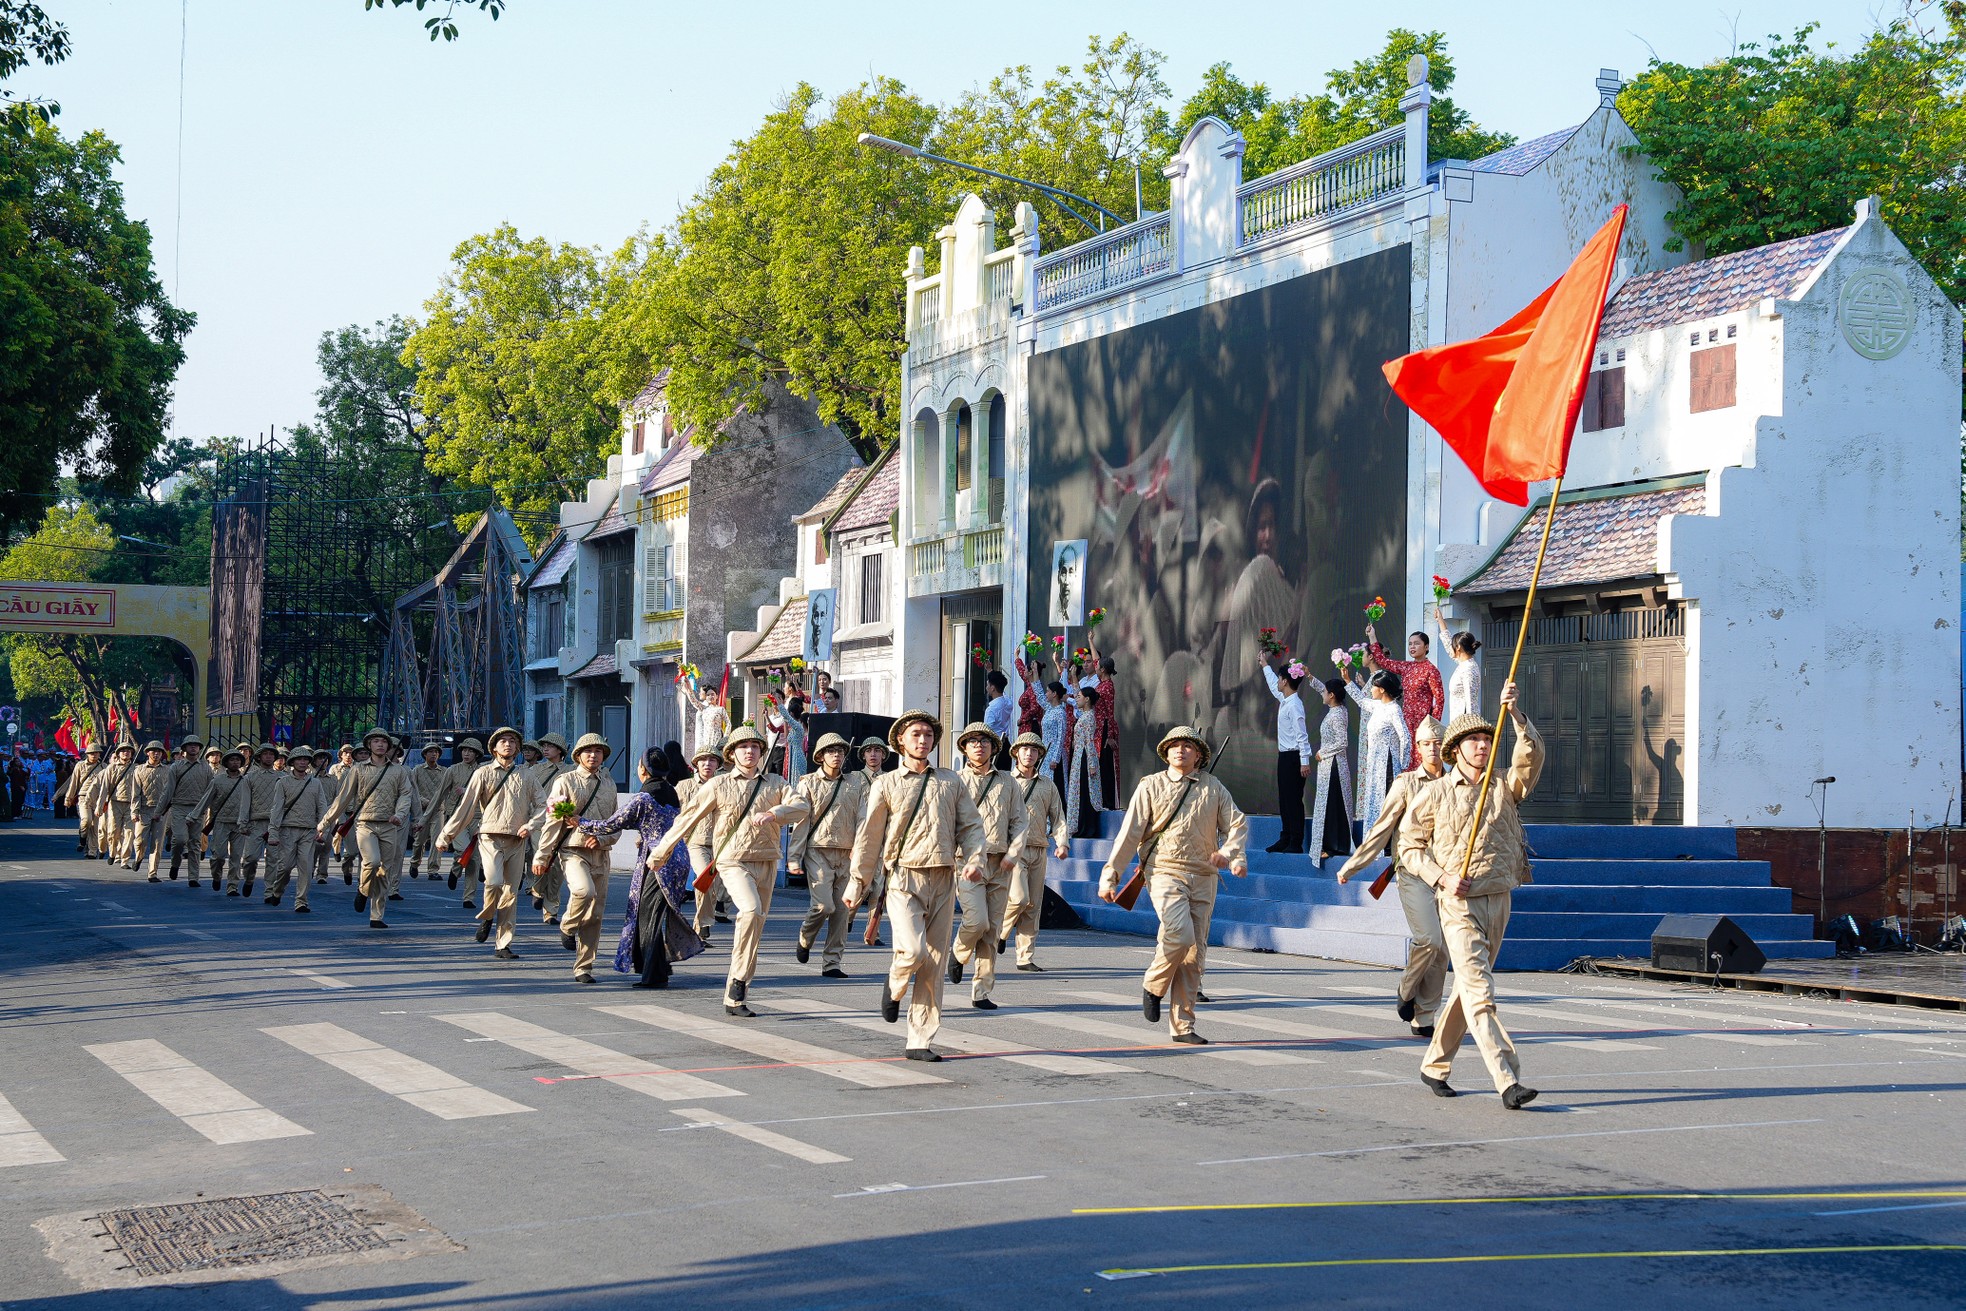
column 1822, row 848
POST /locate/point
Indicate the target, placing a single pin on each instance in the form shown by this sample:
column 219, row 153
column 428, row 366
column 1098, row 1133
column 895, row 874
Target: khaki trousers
column 1025, row 905
column 292, row 859
column 826, row 879
column 548, row 887
column 706, row 902
column 225, row 844
column 86, row 831
column 1185, row 902
column 372, row 846
column 502, row 857
column 122, row 834
column 748, row 884
column 920, row 906
column 1426, row 959
column 184, row 838
column 150, row 843
column 473, row 876
column 394, row 838
column 322, row 856
column 1473, row 927
column 252, row 845
column 587, row 901
column 422, row 843
column 983, row 911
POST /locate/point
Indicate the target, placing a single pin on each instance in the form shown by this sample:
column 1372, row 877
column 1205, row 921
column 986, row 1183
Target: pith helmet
column 322, row 753
column 191, row 742
column 213, row 751
column 913, row 717
column 553, row 740
column 153, row 745
column 504, row 730
column 244, row 748
column 428, row 747
column 873, row 742
column 240, row 752
column 1182, row 733
column 302, row 750
column 375, row 733
column 593, row 740
column 266, row 746
column 982, row 731
column 471, row 744
column 529, row 744
column 93, row 749
column 1028, row 740
column 348, row 747
column 828, row 742
column 1463, row 728
column 740, row 737
column 715, row 753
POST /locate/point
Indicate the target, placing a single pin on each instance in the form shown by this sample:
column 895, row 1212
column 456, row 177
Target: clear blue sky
column 333, row 158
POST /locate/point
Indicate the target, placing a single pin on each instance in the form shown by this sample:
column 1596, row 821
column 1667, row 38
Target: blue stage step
column 1598, row 890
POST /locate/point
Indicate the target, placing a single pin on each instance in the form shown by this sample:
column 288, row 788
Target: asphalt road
column 160, row 1045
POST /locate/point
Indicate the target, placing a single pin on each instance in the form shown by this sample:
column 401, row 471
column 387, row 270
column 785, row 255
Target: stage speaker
column 1057, row 913
column 1704, row 944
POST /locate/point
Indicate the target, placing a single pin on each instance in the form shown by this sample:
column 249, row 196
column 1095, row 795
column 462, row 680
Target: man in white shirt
column 1295, row 755
column 1000, row 715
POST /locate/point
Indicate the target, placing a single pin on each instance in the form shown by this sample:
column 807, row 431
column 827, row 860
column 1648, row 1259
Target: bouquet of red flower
column 1081, row 655
column 1096, row 618
column 1442, row 589
column 1376, row 611
column 1267, row 639
column 979, row 655
column 1032, row 646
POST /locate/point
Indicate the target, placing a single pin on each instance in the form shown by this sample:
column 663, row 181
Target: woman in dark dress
column 658, row 934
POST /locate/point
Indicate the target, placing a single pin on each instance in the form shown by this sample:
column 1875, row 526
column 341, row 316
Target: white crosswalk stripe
column 966, row 1041
column 645, row 1077
column 202, row 1100
column 751, row 1133
column 1508, row 1009
column 419, row 1083
column 19, row 1143
column 774, row 1047
column 1244, row 1019
column 1141, row 1035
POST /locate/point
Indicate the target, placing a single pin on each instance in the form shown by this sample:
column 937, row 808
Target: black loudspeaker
column 1057, row 913
column 1704, row 944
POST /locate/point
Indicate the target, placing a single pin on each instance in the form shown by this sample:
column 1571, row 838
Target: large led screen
column 1232, row 468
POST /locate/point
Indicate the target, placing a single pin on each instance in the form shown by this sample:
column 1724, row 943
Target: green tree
column 439, row 24
column 28, row 35
column 511, row 372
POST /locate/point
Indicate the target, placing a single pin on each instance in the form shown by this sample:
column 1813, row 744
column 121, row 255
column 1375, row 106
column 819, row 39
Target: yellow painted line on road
column 1125, row 1272
column 1865, row 1196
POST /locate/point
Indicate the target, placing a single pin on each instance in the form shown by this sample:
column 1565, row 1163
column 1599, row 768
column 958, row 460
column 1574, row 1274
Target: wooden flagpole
column 1522, row 635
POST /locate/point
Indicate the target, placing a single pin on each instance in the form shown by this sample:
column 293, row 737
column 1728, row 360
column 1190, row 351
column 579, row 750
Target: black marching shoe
column 832, row 972
column 1516, row 1096
column 484, row 930
column 361, row 903
column 1031, row 967
column 740, row 1010
column 566, row 940
column 1439, row 1086
column 378, row 924
column 802, row 953
column 955, row 968
column 1407, row 1009
column 154, row 879
column 984, row 1004
column 583, row 978
column 453, row 881
column 890, row 1006
column 505, row 953
column 1150, row 1006
column 539, row 903
column 552, row 919
column 348, row 877
column 738, row 989
column 302, row 910
column 1191, row 1039
column 1003, row 945
column 1201, row 997
column 1423, row 1031
column 232, row 892
column 922, row 1054
column 270, row 901
column 467, row 905
column 194, row 882
column 395, row 896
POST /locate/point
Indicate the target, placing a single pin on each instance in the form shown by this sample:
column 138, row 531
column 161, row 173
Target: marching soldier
column 704, row 764
column 743, row 810
column 224, row 810
column 1044, row 812
column 150, row 789
column 397, row 837
column 374, row 797
column 1426, row 960
column 200, row 840
column 428, row 780
column 119, row 805
column 585, row 793
column 263, row 782
column 1000, row 802
column 290, row 838
column 511, row 806
column 1186, row 828
column 822, row 850
column 89, row 767
column 919, row 827
column 324, row 774
column 549, row 763
column 470, row 752
column 1474, row 906
column 189, row 778
column 350, row 756
column 873, row 759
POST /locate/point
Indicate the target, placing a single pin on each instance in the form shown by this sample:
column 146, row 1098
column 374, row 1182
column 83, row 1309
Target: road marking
column 644, row 1077
column 324, row 980
column 199, row 933
column 1139, row 1271
column 115, row 906
column 202, row 1100
column 19, row 1143
column 1878, row 1210
column 968, row 1042
column 422, row 1085
column 1525, row 1138
column 1591, row 1044
column 1246, row 1019
column 1694, row 1013
column 1914, row 1038
column 1517, row 1200
column 750, row 1133
column 868, row 1073
column 1131, row 1036
column 1748, row 1039
column 879, row 1190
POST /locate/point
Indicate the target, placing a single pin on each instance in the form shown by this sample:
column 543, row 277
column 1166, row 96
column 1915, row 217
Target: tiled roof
column 651, row 392
column 1708, row 287
column 601, row 666
column 673, row 468
column 1597, row 539
column 839, row 491
column 1523, row 156
column 611, row 523
column 553, row 569
column 784, row 639
column 876, row 501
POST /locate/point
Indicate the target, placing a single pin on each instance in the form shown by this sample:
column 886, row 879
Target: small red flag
column 1507, row 402
column 723, row 688
column 65, row 736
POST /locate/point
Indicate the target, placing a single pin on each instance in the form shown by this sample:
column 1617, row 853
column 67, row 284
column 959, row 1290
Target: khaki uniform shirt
column 94, row 796
column 225, row 803
column 544, row 771
column 719, row 805
column 122, row 783
column 595, row 797
column 1209, row 822
column 149, row 788
column 1044, row 813
column 298, row 803
column 189, row 779
column 1392, row 811
column 382, row 792
column 835, row 807
column 263, row 784
column 1434, row 840
column 1000, row 801
column 428, row 783
column 506, row 799
column 456, row 778
column 947, row 832
column 77, row 778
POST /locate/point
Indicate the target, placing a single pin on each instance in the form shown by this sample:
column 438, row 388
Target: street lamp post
column 1058, row 197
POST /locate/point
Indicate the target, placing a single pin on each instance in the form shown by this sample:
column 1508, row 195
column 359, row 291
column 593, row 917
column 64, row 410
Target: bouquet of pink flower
column 1340, row 656
column 775, row 676
column 1358, row 655
column 1296, row 671
column 1375, row 611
